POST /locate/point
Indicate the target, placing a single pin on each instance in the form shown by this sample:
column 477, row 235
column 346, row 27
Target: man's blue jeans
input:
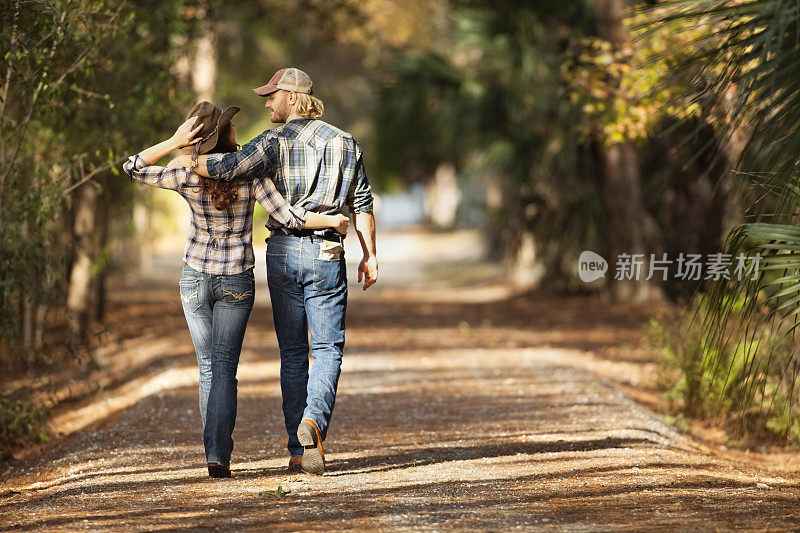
column 217, row 308
column 309, row 299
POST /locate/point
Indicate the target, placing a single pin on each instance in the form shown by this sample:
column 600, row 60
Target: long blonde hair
column 308, row 106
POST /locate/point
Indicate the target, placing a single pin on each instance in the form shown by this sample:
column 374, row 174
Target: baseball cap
column 288, row 79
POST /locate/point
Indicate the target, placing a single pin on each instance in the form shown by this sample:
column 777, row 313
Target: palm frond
column 742, row 67
column 756, row 316
column 745, row 59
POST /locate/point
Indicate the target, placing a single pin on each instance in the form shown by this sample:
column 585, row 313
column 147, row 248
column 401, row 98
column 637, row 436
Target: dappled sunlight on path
column 461, row 405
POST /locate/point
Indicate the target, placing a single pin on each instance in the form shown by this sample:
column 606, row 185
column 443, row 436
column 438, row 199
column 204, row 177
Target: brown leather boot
column 218, row 470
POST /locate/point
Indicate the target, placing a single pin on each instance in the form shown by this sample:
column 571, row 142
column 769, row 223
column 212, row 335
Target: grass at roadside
column 753, row 398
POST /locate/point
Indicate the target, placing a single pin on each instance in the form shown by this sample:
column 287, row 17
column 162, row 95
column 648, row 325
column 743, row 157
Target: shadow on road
column 457, row 408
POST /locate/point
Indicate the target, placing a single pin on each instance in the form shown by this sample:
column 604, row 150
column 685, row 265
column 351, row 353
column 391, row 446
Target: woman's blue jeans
column 217, row 308
column 309, row 298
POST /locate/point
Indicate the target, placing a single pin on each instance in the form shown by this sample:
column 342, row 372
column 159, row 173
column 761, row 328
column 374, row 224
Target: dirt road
column 460, row 406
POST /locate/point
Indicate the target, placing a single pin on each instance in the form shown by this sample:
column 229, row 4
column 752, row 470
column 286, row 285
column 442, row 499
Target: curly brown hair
column 223, row 193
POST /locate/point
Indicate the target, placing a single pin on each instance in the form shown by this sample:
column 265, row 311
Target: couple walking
column 304, row 173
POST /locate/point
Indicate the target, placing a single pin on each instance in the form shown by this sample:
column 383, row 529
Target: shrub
column 22, row 420
column 751, row 395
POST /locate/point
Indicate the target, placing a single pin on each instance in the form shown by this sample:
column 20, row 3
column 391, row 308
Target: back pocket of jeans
column 328, row 275
column 190, row 295
column 276, row 270
column 238, row 290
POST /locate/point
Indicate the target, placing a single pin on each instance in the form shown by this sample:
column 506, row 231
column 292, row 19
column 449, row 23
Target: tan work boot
column 313, row 456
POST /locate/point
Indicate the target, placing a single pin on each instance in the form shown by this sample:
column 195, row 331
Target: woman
column 217, row 286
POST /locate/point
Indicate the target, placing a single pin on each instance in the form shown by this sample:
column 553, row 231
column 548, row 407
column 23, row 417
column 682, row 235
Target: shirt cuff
column 212, row 164
column 366, row 208
column 137, row 162
column 299, row 212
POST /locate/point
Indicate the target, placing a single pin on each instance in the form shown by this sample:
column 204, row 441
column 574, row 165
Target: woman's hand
column 184, row 135
column 342, row 224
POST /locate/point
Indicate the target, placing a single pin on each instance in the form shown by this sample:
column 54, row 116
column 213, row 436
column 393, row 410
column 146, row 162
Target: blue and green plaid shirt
column 314, row 165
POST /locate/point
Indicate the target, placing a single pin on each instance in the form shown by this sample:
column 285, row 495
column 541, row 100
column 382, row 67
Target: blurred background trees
column 74, row 98
column 555, row 126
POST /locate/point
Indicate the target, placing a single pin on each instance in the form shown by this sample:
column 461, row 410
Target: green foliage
column 44, row 55
column 473, row 96
column 75, row 99
column 706, row 380
column 425, row 89
column 624, row 94
column 22, row 420
column 525, row 95
column 742, row 65
column 757, row 317
column 744, row 74
column 277, row 493
column 489, row 100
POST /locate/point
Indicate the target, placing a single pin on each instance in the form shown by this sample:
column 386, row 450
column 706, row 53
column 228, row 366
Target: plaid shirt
column 313, row 164
column 220, row 242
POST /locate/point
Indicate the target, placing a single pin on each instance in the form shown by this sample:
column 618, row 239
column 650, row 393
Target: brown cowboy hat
column 214, row 120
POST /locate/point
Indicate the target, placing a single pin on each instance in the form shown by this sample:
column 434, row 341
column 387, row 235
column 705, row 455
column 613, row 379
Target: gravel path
column 460, row 407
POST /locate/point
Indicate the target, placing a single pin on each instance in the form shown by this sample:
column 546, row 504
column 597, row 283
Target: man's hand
column 342, row 224
column 368, row 270
column 184, row 135
column 364, row 222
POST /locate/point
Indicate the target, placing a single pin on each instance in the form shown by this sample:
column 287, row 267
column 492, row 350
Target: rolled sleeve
column 299, row 213
column 163, row 177
column 275, row 205
column 214, row 165
column 359, row 197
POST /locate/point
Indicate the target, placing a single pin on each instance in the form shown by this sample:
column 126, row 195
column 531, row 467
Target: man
column 318, row 167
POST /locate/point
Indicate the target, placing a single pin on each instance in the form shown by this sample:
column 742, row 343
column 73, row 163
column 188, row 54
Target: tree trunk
column 443, row 196
column 38, row 329
column 26, row 307
column 141, row 250
column 509, row 230
column 79, row 293
column 620, row 181
column 624, row 214
column 27, row 325
column 494, row 222
column 527, row 269
column 204, row 66
column 196, row 63
column 101, row 275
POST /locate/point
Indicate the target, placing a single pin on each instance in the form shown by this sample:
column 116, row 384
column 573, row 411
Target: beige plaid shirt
column 219, row 242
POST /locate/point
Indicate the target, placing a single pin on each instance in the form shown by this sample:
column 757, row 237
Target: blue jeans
column 309, row 298
column 217, row 308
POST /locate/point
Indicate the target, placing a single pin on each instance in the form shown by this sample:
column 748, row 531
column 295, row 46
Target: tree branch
column 91, row 94
column 90, row 175
column 7, row 84
column 75, row 65
column 24, row 124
